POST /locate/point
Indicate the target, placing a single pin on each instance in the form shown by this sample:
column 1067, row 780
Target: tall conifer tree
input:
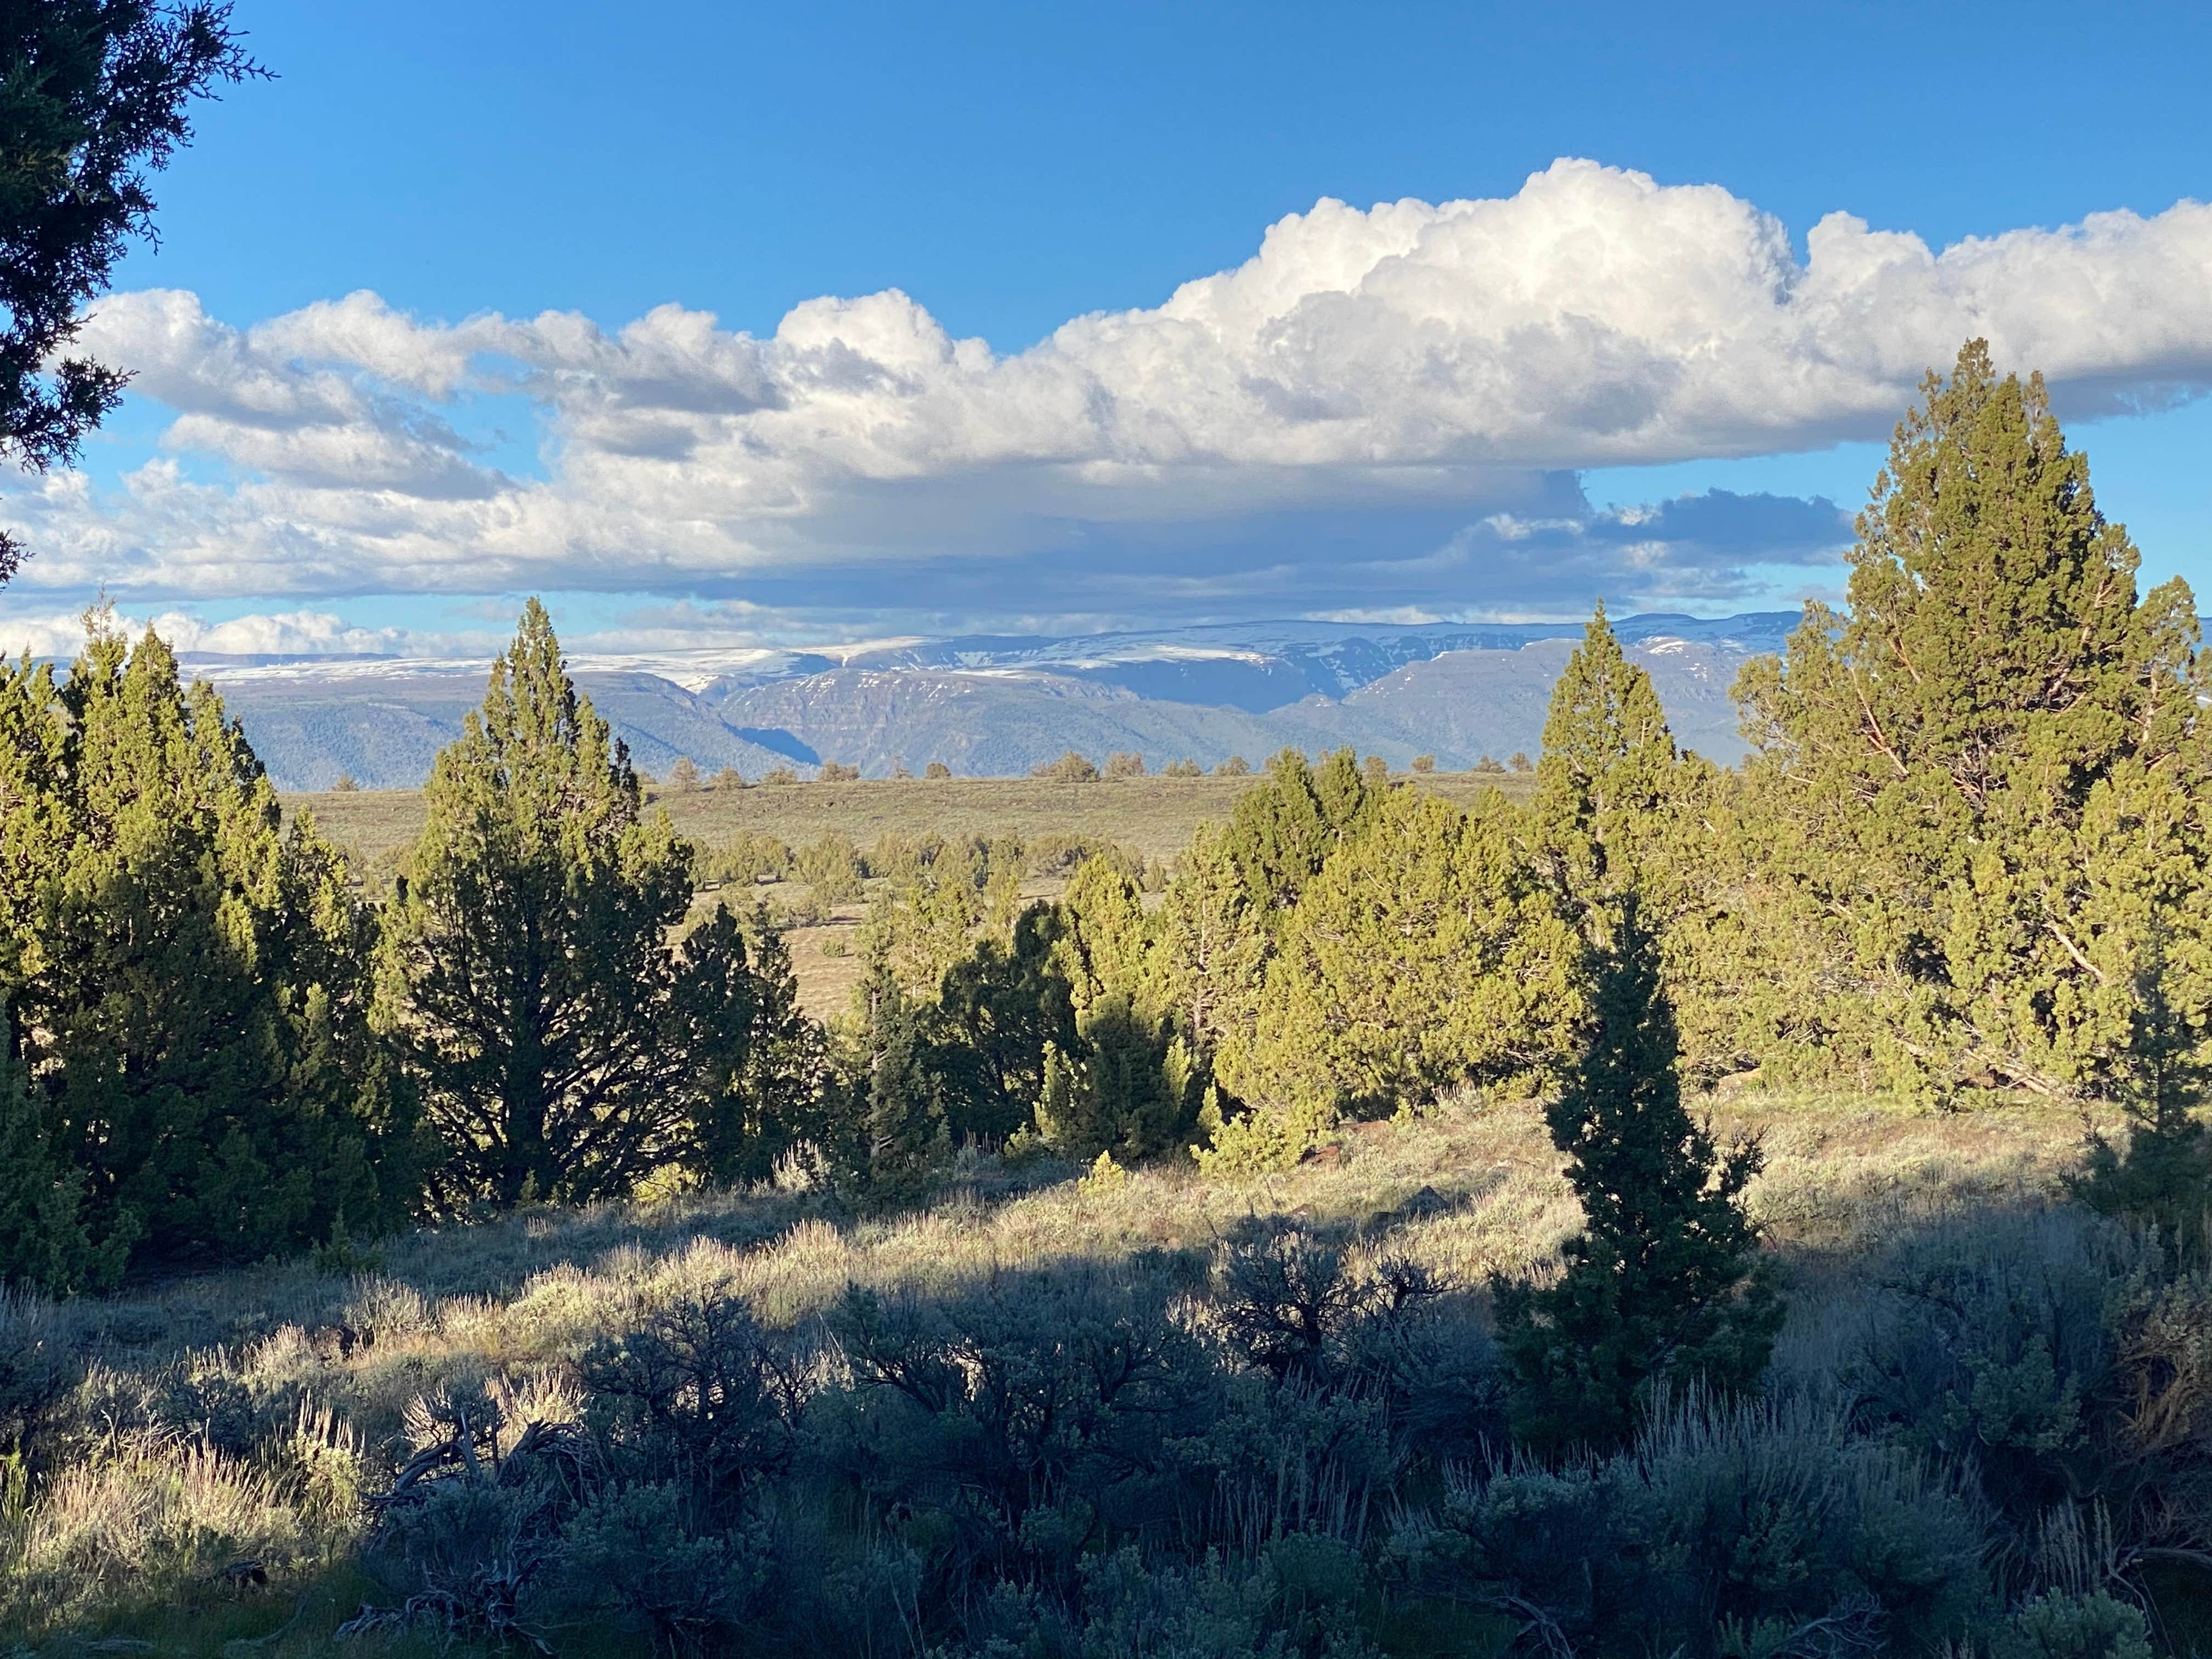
column 757, row 1060
column 526, row 952
column 1980, row 797
column 1608, row 773
column 1661, row 1285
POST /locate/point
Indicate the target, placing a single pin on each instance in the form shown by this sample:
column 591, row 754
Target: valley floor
column 1155, row 816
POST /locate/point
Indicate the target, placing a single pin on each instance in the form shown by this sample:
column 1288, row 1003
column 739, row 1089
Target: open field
column 824, row 958
column 1155, row 815
column 1466, row 1189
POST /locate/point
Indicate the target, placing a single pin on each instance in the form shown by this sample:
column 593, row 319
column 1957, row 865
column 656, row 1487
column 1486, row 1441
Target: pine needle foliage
column 1663, row 1285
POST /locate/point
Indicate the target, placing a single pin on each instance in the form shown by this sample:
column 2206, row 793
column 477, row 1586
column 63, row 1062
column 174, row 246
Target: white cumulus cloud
column 1421, row 369
column 297, row 633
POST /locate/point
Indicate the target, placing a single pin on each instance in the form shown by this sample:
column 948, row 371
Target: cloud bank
column 1381, row 406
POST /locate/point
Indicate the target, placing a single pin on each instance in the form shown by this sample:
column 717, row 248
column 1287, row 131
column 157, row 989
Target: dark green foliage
column 44, row 1242
column 758, row 1061
column 1294, row 1306
column 1359, row 1340
column 1663, row 1285
column 1995, row 1346
column 1003, row 1008
column 638, row 1551
column 192, row 981
column 96, row 97
column 565, row 1048
column 891, row 1115
column 2057, row 1625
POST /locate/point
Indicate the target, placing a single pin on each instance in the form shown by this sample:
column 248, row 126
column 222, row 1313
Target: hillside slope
column 998, row 707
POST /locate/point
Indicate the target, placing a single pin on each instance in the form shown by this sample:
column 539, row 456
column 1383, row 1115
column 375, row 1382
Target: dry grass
column 1470, row 1187
column 1155, row 815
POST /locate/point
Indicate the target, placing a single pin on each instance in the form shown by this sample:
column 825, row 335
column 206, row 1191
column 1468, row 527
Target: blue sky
column 1273, row 449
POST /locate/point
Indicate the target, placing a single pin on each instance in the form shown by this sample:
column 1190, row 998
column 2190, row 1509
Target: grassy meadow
column 1154, row 817
column 138, row 1549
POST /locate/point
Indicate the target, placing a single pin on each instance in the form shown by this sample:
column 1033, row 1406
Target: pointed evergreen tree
column 1282, row 832
column 526, row 956
column 1663, row 1284
column 894, row 1132
column 1978, row 796
column 1608, row 773
column 192, row 981
column 918, row 926
column 1005, row 1007
column 756, row 1059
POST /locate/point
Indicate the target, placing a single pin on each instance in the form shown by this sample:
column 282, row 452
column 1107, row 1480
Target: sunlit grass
column 1468, row 1189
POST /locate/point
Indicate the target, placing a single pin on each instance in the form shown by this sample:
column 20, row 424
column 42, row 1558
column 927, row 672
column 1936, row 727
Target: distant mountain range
column 988, row 706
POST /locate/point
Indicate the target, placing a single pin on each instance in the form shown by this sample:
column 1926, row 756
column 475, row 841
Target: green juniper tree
column 1213, row 951
column 756, row 1060
column 1609, row 776
column 44, row 1242
column 527, row 960
column 1663, row 1285
column 1425, row 955
column 892, row 1126
column 1979, row 797
column 1004, row 1008
column 1130, row 1083
column 1281, row 833
column 192, row 981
